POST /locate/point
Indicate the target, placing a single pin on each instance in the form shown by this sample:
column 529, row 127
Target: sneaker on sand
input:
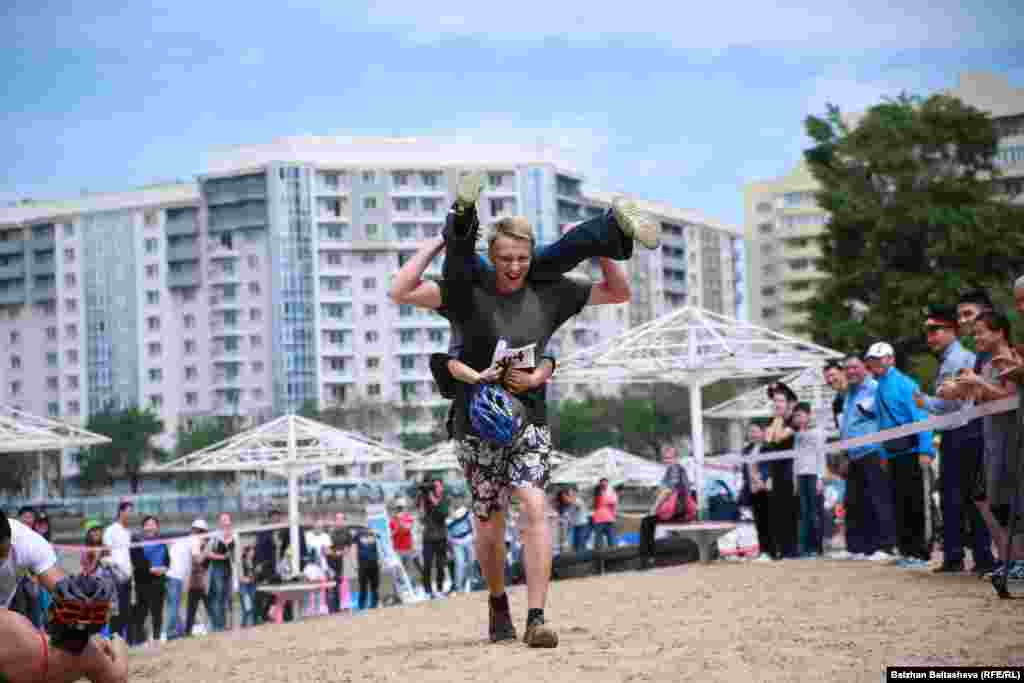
column 763, row 557
column 635, row 223
column 912, row 563
column 539, row 635
column 880, row 556
column 840, row 555
column 470, row 186
column 502, row 628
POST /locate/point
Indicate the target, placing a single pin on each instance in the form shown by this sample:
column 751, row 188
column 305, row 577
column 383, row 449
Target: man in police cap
column 962, row 448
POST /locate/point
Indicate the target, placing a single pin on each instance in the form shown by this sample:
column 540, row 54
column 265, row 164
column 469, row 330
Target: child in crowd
column 810, row 473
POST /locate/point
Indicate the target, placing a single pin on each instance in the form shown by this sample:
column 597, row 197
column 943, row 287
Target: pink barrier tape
column 169, row 541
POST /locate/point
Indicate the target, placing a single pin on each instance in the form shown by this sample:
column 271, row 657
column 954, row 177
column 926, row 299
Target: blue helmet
column 496, row 415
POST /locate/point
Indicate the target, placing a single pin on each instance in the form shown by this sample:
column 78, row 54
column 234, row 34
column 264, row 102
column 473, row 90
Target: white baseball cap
column 879, row 350
column 200, row 524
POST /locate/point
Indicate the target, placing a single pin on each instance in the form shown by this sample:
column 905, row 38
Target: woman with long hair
column 606, row 510
column 780, row 436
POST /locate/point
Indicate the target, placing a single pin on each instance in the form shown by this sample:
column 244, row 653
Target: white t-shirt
column 119, row 540
column 181, row 559
column 29, row 552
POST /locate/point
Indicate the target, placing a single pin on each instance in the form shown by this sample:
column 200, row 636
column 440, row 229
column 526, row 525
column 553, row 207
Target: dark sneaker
column 502, row 628
column 949, row 568
column 539, row 635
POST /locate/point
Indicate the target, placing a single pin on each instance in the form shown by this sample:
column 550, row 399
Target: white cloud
column 867, row 24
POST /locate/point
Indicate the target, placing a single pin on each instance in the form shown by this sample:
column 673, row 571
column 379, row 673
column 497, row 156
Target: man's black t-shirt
column 529, row 315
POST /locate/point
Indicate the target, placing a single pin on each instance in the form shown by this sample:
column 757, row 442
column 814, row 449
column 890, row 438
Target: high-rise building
column 782, row 218
column 262, row 286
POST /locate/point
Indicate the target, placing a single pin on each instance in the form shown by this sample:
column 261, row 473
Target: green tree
column 200, row 433
column 16, row 472
column 915, row 217
column 130, row 431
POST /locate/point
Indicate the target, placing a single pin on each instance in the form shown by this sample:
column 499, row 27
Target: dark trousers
column 908, row 483
column 958, row 468
column 195, row 596
column 869, row 507
column 783, row 509
column 596, row 237
column 122, row 623
column 149, row 602
column 810, row 514
column 760, row 503
column 369, row 585
column 435, row 555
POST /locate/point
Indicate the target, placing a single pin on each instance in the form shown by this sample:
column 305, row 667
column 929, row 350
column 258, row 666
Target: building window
column 69, row 230
column 494, row 179
column 369, row 283
column 15, row 363
column 151, row 245
column 69, row 255
column 768, row 312
column 371, row 337
column 407, row 336
column 405, row 311
column 431, row 230
column 51, row 359
column 254, row 288
column 257, row 367
column 400, row 179
column 53, row 408
column 15, row 336
column 437, row 336
column 188, row 295
column 255, row 315
column 153, row 323
column 157, row 401
column 369, row 177
column 429, row 179
column 255, row 341
column 372, row 231
column 190, row 321
column 373, row 389
column 369, row 202
column 71, row 305
column 403, row 204
column 191, row 373
column 372, row 363
column 370, row 310
column 429, row 204
column 70, row 280
column 152, row 297
column 72, row 382
column 368, row 257
column 253, row 260
column 74, row 408
column 190, row 347
column 156, row 375
column 52, row 384
column 152, row 271
column 191, row 399
column 154, row 349
column 767, row 291
column 408, row 362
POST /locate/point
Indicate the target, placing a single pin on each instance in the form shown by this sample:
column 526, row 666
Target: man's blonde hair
column 513, row 227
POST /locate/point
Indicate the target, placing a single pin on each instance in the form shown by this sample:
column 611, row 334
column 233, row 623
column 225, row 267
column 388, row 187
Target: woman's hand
column 489, row 376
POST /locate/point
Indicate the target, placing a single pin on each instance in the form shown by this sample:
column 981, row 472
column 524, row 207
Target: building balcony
column 12, row 295
column 344, row 323
column 179, row 227
column 330, row 376
column 13, row 271
column 220, row 302
column 222, row 356
column 44, row 293
column 42, row 244
column 189, row 252
column 238, row 221
column 8, row 247
column 48, row 267
column 254, row 191
column 342, row 348
column 333, row 295
column 186, row 278
column 326, row 217
column 215, row 276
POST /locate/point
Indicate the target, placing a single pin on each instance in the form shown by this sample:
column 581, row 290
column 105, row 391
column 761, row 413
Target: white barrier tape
column 950, row 421
column 169, row 541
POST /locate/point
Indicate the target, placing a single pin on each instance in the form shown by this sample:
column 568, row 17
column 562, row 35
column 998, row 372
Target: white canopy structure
column 441, row 457
column 617, row 466
column 22, row 432
column 694, row 347
column 288, row 446
column 809, row 386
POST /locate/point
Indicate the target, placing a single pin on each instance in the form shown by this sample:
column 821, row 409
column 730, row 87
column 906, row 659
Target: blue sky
column 658, row 99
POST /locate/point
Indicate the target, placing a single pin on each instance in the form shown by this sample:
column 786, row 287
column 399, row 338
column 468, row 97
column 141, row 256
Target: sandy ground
column 796, row 620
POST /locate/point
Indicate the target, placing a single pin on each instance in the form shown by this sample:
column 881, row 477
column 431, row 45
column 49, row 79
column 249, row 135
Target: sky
column 661, row 100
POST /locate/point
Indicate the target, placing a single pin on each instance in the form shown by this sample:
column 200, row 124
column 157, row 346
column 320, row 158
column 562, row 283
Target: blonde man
column 518, row 311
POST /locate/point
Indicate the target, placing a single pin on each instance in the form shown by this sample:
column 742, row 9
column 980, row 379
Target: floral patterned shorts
column 492, row 472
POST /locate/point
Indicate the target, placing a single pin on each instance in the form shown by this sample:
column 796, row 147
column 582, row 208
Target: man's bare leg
column 490, row 550
column 537, row 538
column 26, row 658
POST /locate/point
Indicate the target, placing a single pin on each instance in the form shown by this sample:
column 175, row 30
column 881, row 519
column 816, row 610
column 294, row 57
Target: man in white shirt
column 21, row 550
column 119, row 539
column 177, row 578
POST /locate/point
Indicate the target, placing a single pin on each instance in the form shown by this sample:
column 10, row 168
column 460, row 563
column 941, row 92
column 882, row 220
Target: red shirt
column 401, row 531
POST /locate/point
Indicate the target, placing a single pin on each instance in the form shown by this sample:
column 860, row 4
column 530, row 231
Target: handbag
column 667, row 507
column 901, row 444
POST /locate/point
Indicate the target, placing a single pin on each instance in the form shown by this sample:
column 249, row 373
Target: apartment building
column 262, row 286
column 782, row 218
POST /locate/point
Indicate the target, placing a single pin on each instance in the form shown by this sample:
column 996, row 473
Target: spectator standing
column 782, row 505
column 905, row 457
column 962, row 449
column 341, row 541
column 369, row 568
column 810, row 478
column 150, row 563
column 433, row 507
column 221, row 555
column 401, row 526
column 176, row 580
column 247, row 585
column 756, row 491
column 460, row 536
column 869, row 505
column 606, row 511
column 197, row 580
column 118, row 538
